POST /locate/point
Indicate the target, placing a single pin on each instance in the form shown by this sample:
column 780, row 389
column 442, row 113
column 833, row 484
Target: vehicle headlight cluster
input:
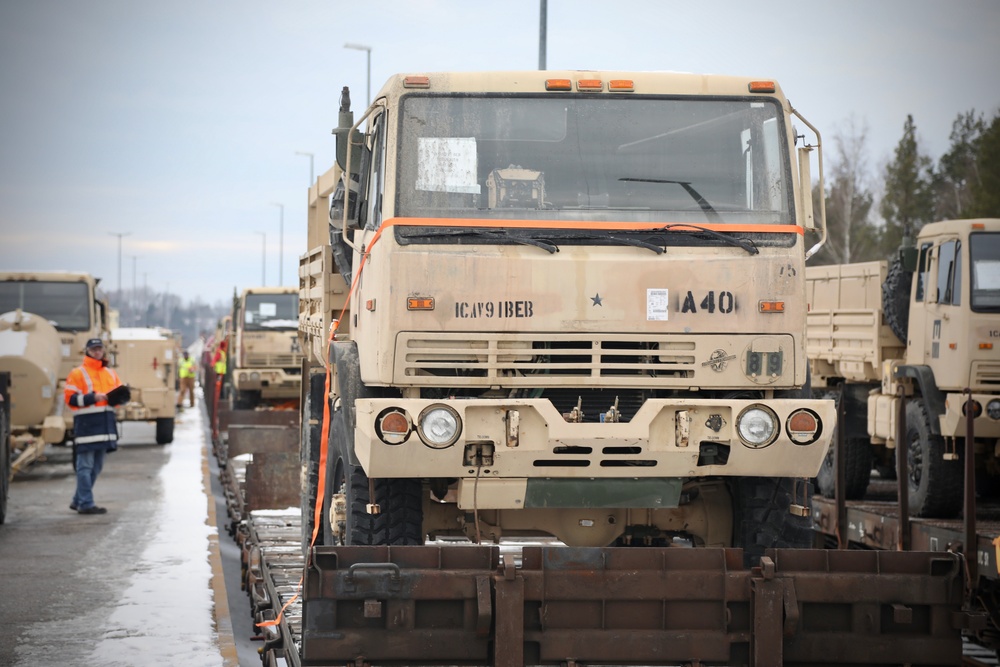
column 757, row 426
column 438, row 426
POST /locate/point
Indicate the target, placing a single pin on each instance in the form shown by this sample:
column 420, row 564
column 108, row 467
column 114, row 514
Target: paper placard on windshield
column 268, row 309
column 987, row 274
column 657, row 305
column 447, row 165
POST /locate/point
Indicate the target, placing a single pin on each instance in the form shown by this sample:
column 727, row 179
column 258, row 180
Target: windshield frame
column 81, row 303
column 590, row 218
column 251, row 305
column 977, row 248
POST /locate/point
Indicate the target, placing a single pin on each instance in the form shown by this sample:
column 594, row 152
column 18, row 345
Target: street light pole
column 133, row 300
column 263, row 258
column 310, row 156
column 119, row 235
column 368, row 50
column 281, row 243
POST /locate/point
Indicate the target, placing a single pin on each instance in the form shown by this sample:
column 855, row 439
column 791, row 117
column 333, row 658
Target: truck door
column 944, row 327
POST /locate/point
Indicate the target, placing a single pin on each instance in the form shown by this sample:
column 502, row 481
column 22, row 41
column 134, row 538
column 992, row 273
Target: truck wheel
column 896, row 298
column 164, row 430
column 4, row 462
column 761, row 517
column 859, row 466
column 400, row 520
column 935, row 484
column 245, row 400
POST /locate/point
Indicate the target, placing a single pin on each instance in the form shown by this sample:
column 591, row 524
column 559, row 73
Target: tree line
column 963, row 183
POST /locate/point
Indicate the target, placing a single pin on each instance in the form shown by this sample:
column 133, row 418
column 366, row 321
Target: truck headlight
column 993, row 409
column 438, row 426
column 757, row 426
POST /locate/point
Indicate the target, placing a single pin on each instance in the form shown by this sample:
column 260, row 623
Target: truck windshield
column 984, row 250
column 66, row 305
column 271, row 312
column 594, row 158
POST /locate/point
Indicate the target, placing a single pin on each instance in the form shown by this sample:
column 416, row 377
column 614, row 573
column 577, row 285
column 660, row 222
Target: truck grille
column 264, row 360
column 624, row 360
column 986, row 375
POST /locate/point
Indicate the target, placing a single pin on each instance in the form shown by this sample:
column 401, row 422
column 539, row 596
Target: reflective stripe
column 78, row 400
column 94, row 438
column 93, row 409
column 86, row 378
column 73, row 387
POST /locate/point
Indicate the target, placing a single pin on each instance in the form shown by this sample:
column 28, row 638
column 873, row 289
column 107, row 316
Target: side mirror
column 908, row 258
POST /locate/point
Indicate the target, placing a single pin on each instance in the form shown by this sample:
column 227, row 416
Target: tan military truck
column 265, row 357
column 576, row 309
column 47, row 319
column 873, row 329
column 146, row 360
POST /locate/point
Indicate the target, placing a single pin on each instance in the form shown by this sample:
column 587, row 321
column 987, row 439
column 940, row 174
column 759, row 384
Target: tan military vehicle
column 46, row 319
column 873, row 329
column 576, row 309
column 265, row 357
column 146, row 360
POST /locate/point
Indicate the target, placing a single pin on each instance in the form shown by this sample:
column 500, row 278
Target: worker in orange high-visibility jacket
column 95, row 430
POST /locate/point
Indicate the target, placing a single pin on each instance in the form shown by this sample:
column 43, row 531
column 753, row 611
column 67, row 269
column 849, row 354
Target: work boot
column 93, row 510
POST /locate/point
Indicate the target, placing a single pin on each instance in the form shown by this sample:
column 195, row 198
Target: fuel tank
column 30, row 350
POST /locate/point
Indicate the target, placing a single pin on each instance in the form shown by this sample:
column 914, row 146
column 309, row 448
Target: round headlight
column 255, row 376
column 439, row 426
column 993, row 409
column 757, row 426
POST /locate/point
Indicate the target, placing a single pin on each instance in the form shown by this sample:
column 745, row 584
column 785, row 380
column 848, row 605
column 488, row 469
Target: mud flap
column 645, row 606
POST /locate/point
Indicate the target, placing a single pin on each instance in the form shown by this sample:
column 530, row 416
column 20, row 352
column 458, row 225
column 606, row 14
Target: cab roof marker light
column 417, row 82
column 978, row 225
column 558, row 84
column 762, row 87
column 590, row 84
column 621, row 85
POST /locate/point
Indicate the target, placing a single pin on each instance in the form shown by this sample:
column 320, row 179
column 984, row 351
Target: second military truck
column 928, row 323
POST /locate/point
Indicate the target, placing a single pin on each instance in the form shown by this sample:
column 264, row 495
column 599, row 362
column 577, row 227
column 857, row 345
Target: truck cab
column 576, row 308
column 266, row 356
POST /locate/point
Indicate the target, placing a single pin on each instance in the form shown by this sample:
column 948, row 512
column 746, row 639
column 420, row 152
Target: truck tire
column 761, row 517
column 4, row 462
column 310, row 439
column 935, row 484
column 400, row 519
column 245, row 400
column 164, row 430
column 896, row 298
column 859, row 465
column 857, row 474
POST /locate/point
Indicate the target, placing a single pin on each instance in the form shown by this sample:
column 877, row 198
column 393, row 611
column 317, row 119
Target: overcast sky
column 178, row 122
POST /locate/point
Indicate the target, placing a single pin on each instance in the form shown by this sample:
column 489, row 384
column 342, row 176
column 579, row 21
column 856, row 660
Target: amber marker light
column 986, row 346
column 761, row 87
column 558, row 84
column 978, row 225
column 621, row 85
column 417, row 82
column 420, row 303
column 772, row 306
column 590, row 84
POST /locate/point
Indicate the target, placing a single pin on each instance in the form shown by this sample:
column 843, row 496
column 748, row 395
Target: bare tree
column 852, row 236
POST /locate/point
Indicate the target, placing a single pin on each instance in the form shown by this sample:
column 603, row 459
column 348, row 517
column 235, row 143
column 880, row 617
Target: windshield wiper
column 659, row 250
column 703, row 203
column 489, row 233
column 681, row 227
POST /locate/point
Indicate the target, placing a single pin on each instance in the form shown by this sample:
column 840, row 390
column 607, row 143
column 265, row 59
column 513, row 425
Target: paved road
column 132, row 587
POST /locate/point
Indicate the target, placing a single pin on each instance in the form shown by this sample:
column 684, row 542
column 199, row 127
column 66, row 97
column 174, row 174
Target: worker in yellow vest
column 185, row 371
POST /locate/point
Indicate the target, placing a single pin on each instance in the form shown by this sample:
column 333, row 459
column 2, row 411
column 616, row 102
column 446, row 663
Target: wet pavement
column 140, row 585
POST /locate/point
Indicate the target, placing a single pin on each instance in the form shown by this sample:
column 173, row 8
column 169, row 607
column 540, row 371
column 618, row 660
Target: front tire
column 400, row 519
column 761, row 516
column 858, row 470
column 164, row 430
column 935, row 484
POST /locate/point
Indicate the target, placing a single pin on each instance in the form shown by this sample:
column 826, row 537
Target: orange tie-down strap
column 324, row 441
column 468, row 222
